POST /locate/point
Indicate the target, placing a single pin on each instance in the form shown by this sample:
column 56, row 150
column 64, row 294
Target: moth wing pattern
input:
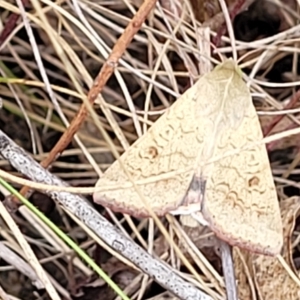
column 240, row 202
column 171, row 146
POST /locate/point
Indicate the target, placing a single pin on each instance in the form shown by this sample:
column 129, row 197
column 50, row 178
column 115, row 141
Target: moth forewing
column 168, row 152
column 240, row 201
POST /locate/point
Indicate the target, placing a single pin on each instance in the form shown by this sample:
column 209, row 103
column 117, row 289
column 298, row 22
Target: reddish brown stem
column 237, row 7
column 277, row 119
column 100, row 81
column 271, row 146
column 11, row 24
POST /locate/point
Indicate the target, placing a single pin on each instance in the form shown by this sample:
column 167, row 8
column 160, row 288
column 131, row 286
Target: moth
column 173, row 167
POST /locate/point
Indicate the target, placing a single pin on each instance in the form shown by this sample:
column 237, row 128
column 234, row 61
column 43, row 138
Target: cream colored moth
column 170, row 165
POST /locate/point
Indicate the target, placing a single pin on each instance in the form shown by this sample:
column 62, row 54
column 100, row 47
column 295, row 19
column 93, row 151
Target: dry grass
column 162, row 60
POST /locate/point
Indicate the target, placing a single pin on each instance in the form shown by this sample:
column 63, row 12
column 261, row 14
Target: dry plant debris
column 267, row 272
column 149, row 72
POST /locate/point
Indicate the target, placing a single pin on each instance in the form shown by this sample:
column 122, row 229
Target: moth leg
column 199, row 218
column 195, row 193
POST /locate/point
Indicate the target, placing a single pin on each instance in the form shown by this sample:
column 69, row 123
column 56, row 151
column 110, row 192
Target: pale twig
column 22, row 266
column 228, row 270
column 79, row 207
column 88, row 190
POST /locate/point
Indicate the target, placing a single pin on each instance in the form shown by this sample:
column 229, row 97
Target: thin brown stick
column 78, row 206
column 100, row 81
column 236, row 8
column 216, row 22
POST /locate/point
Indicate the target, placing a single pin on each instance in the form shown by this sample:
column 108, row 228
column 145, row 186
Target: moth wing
column 170, row 147
column 163, row 161
column 240, row 201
